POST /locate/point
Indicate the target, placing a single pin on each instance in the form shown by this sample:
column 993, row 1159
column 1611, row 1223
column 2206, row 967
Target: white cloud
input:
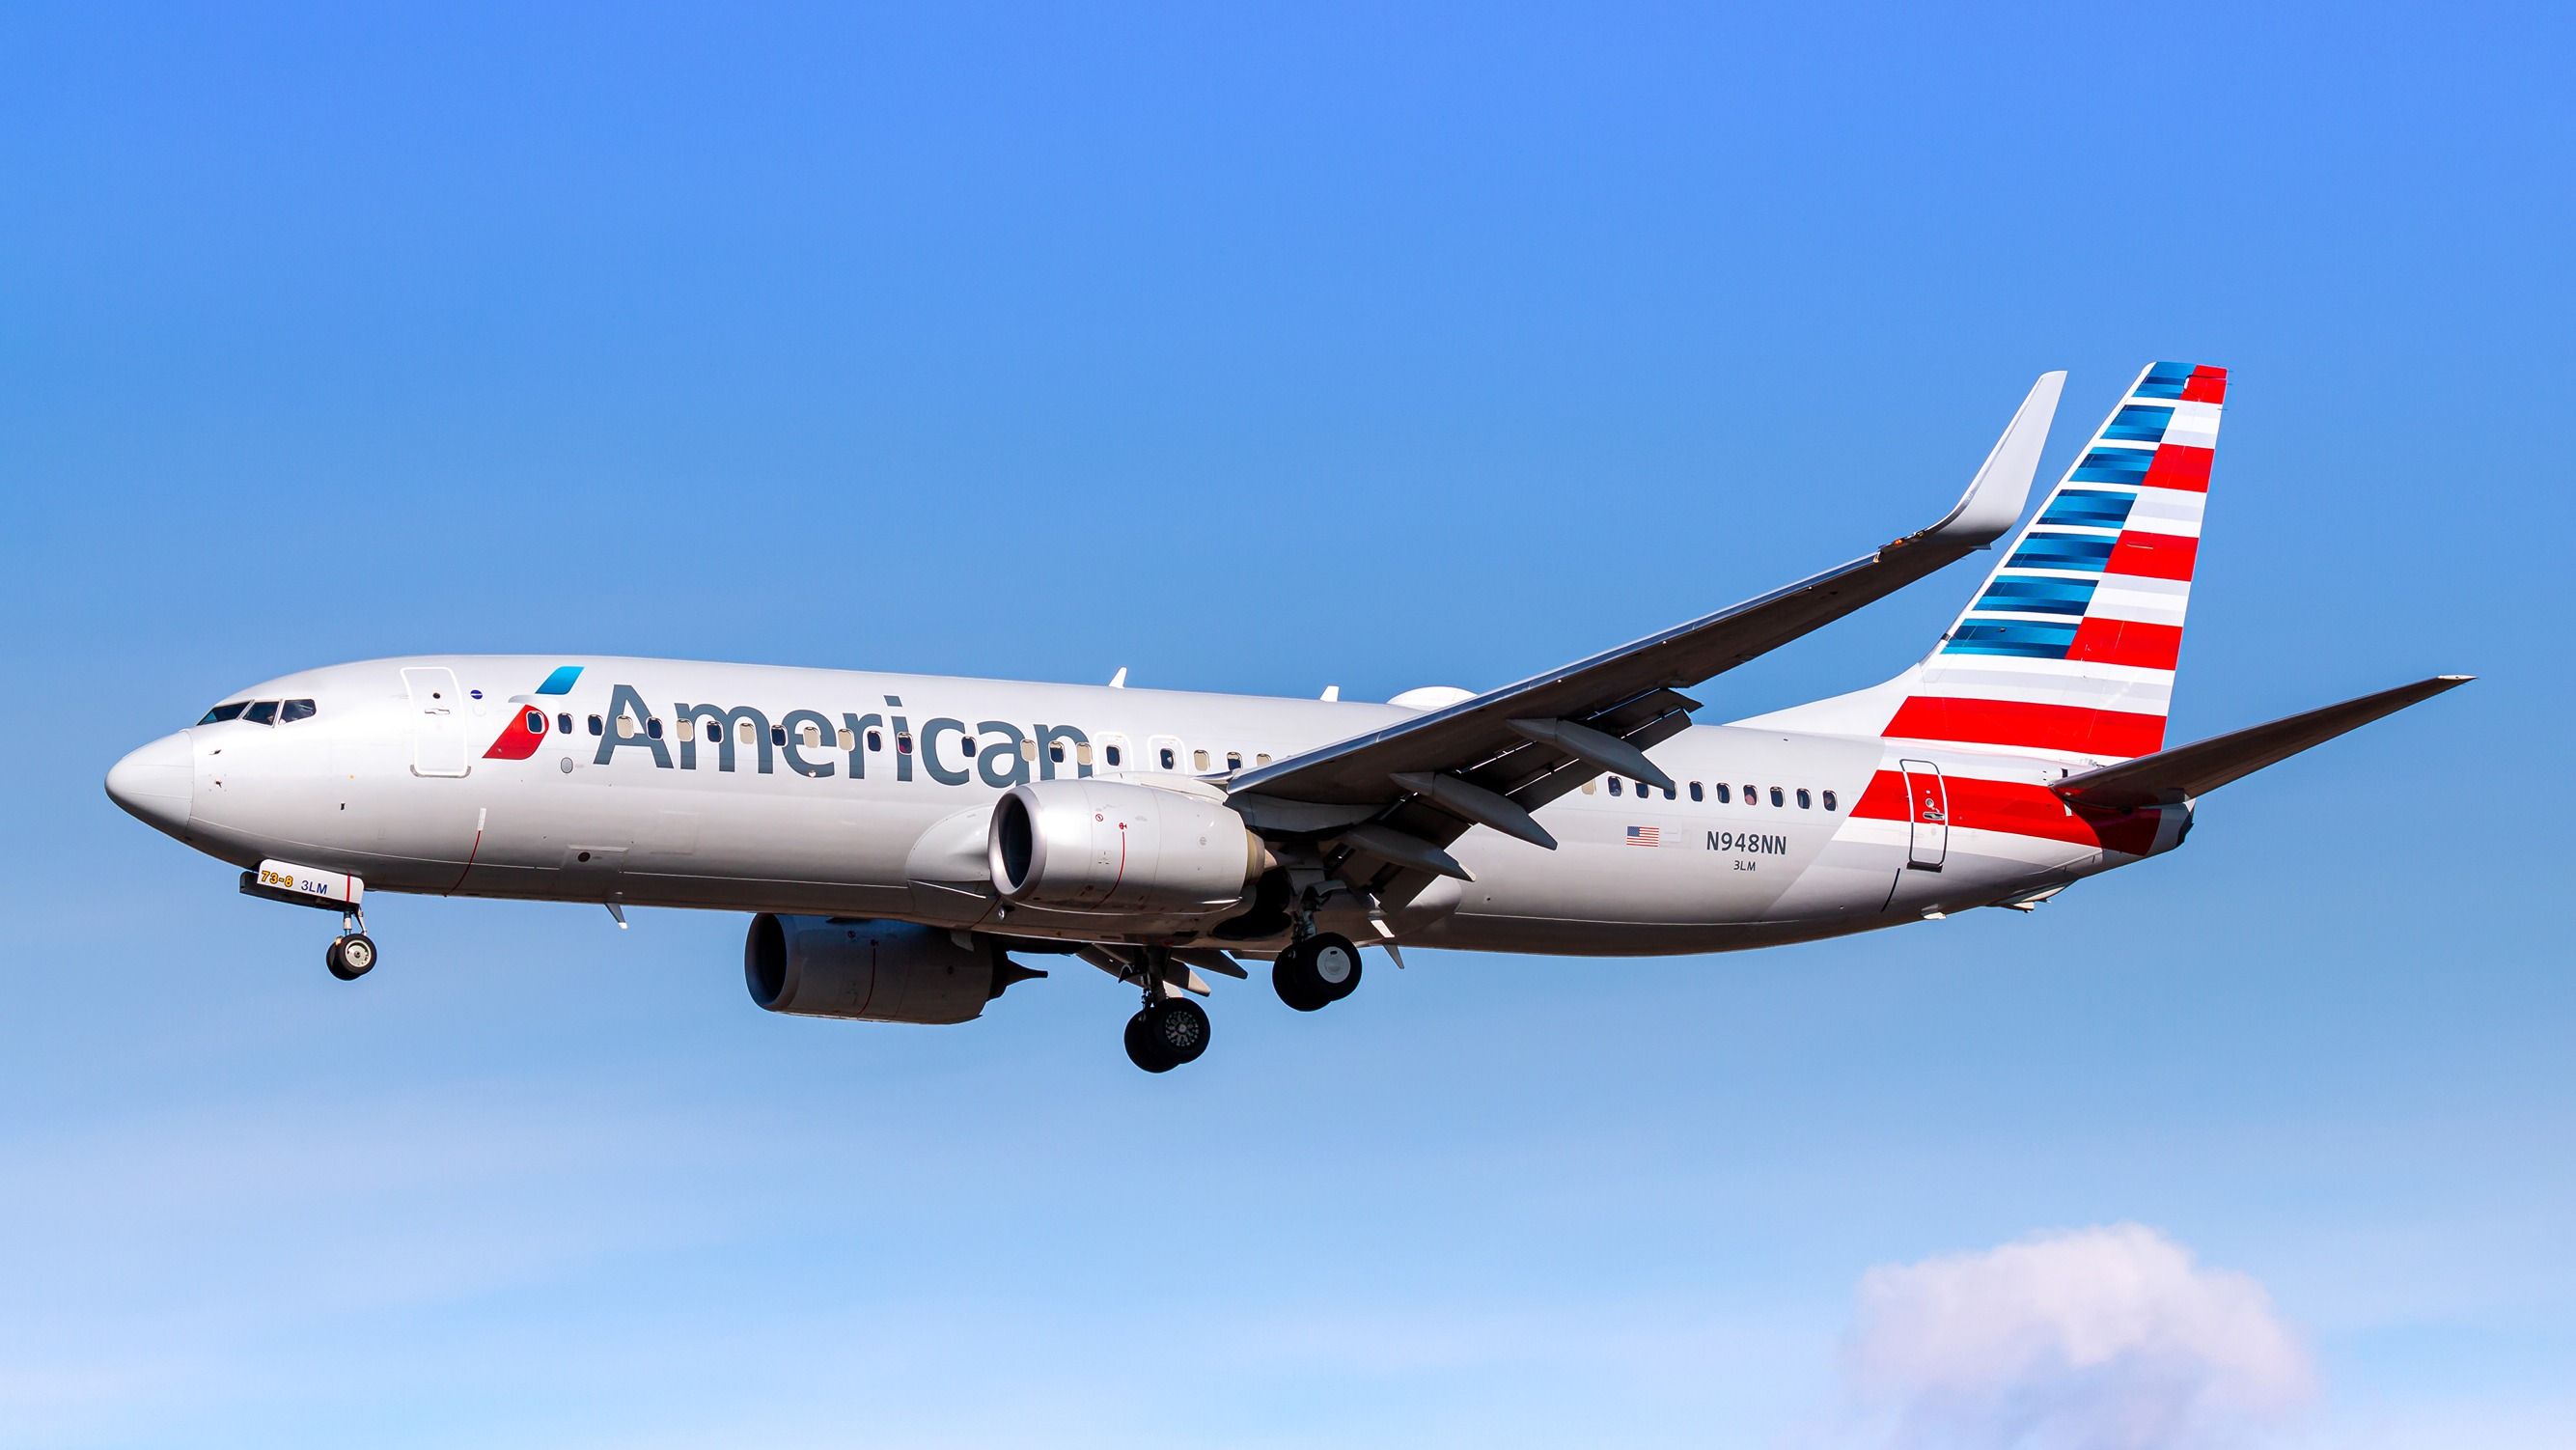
column 2092, row 1339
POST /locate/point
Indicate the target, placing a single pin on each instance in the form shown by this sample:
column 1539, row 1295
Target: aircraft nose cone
column 156, row 784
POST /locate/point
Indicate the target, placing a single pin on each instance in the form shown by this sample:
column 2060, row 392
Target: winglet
column 1995, row 497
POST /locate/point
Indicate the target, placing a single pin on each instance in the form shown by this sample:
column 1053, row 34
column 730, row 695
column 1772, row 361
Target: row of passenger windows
column 1112, row 753
column 261, row 712
column 1723, row 793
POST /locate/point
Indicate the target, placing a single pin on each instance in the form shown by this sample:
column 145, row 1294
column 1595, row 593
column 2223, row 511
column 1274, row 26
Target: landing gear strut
column 352, row 953
column 1316, row 971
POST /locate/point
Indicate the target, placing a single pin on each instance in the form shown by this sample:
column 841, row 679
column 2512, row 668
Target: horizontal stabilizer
column 2204, row 765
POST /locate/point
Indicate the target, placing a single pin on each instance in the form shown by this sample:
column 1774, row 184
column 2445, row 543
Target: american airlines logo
column 1000, row 753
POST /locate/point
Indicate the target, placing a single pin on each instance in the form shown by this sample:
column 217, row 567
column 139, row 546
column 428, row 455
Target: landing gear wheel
column 351, row 956
column 1336, row 964
column 1316, row 972
column 1293, row 981
column 1166, row 1034
column 1140, row 1048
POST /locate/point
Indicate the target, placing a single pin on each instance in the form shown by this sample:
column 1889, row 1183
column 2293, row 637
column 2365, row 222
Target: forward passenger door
column 437, row 727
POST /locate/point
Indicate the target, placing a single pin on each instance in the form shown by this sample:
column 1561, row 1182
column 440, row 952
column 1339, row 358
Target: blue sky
column 1261, row 351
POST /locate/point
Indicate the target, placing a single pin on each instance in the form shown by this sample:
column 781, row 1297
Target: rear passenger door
column 1927, row 798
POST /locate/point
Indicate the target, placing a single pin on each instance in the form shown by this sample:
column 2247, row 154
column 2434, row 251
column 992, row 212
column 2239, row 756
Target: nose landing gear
column 352, row 954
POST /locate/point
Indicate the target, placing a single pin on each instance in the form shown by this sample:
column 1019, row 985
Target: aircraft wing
column 1520, row 746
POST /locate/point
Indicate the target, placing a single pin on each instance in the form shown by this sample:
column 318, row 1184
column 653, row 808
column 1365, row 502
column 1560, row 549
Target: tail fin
column 2070, row 646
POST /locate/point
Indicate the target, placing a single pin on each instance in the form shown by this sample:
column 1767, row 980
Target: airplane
column 901, row 841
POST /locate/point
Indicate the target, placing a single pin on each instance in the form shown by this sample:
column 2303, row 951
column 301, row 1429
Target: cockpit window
column 297, row 710
column 221, row 713
column 262, row 713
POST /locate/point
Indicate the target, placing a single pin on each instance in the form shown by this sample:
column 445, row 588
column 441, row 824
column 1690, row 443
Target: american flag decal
column 1645, row 835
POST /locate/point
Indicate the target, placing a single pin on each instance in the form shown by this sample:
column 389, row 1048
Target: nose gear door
column 437, row 728
column 1927, row 812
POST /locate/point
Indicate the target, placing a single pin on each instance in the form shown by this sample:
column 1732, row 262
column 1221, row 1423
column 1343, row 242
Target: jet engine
column 1112, row 846
column 871, row 971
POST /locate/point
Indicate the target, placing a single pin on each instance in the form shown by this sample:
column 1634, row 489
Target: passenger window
column 1170, row 760
column 778, row 735
column 302, row 710
column 564, row 722
column 626, row 727
column 1115, row 754
column 1029, row 751
column 1724, row 796
column 903, row 742
column 1752, row 797
column 262, row 713
column 876, row 740
column 1668, row 793
column 597, row 726
column 1775, row 797
column 1803, row 799
column 812, row 733
column 1261, row 760
column 653, row 727
column 1234, row 760
column 749, row 733
column 221, row 713
column 688, row 728
column 1614, row 785
column 536, row 722
column 1198, row 760
column 1829, row 800
column 1591, row 786
column 1695, row 791
column 1055, row 751
column 1082, row 753
column 846, row 740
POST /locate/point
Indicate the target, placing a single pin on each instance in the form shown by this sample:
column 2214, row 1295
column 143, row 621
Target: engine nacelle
column 1111, row 846
column 871, row 971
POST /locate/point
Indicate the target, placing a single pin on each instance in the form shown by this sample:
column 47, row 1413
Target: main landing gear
column 352, row 953
column 1316, row 971
column 1168, row 1031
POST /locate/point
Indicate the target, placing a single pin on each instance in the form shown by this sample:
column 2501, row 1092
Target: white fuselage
column 426, row 775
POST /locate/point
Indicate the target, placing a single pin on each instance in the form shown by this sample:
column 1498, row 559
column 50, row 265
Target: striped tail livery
column 2069, row 647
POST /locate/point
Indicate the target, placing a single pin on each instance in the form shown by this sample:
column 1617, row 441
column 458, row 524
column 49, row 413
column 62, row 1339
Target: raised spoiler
column 2169, row 776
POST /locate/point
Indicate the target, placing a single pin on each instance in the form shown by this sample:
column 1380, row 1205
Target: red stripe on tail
column 2127, row 642
column 2180, row 466
column 2153, row 556
column 2028, row 724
